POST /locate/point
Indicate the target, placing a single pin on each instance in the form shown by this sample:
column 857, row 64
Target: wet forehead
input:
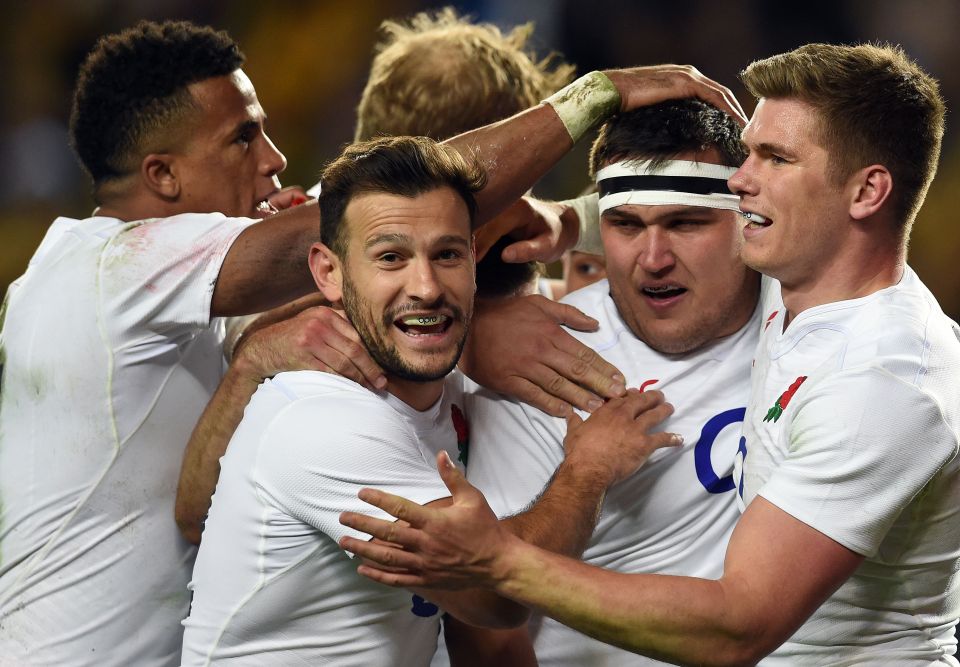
column 227, row 101
column 780, row 123
column 378, row 217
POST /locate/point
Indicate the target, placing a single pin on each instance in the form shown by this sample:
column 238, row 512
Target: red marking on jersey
column 770, row 319
column 647, row 384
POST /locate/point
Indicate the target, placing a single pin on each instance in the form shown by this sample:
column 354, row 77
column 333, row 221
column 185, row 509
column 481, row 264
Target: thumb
column 564, row 313
column 538, row 249
column 451, row 476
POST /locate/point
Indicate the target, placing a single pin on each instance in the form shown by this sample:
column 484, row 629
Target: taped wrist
column 584, row 103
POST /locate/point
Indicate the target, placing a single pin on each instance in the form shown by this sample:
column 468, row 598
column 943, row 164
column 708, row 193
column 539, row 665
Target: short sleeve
column 159, row 275
column 863, row 444
column 319, row 452
column 515, row 450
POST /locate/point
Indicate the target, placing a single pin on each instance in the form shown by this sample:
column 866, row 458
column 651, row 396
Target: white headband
column 672, row 182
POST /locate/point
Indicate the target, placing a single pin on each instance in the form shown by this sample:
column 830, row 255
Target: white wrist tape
column 584, row 103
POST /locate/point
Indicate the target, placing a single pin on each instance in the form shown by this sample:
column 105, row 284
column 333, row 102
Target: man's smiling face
column 408, row 279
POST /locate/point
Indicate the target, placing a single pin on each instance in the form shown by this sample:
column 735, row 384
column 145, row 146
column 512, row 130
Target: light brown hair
column 438, row 75
column 876, row 106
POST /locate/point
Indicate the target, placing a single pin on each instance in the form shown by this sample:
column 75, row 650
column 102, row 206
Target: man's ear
column 160, row 176
column 327, row 272
column 871, row 188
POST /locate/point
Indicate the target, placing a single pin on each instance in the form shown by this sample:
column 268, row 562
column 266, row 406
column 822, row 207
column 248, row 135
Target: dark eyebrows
column 453, row 239
column 247, row 125
column 406, row 240
column 398, row 239
column 681, row 212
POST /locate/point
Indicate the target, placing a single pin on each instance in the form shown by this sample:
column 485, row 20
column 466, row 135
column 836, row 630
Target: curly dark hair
column 133, row 85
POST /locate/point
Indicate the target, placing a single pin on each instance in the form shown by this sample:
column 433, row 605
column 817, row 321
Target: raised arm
column 516, row 152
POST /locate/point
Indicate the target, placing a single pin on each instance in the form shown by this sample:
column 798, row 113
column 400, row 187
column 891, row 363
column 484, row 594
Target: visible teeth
column 424, row 320
column 754, row 217
column 266, row 207
column 659, row 289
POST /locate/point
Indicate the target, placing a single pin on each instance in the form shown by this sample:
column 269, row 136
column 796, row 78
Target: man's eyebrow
column 454, row 239
column 616, row 213
column 767, row 148
column 243, row 126
column 399, row 239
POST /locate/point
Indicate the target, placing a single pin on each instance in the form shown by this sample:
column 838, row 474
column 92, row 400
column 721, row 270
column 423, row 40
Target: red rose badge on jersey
column 784, row 400
column 463, row 433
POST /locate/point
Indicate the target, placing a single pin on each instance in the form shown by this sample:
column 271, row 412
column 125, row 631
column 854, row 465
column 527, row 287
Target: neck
column 128, row 203
column 847, row 276
column 418, row 395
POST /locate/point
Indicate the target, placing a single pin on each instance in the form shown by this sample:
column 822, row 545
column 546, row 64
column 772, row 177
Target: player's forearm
column 562, row 519
column 515, row 153
column 479, row 607
column 677, row 619
column 470, row 646
column 267, row 264
column 208, row 442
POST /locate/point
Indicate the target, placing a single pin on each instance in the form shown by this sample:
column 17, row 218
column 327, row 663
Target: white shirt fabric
column 110, row 357
column 674, row 515
column 865, row 451
column 271, row 586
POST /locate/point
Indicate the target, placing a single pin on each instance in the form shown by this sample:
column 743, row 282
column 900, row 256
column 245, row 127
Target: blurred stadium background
column 309, row 60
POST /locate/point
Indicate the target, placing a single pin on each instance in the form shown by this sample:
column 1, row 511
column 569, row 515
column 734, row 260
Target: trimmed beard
column 381, row 350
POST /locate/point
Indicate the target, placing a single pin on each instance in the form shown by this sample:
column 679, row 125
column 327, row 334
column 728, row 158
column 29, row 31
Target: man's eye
column 587, row 269
column 449, row 254
column 389, row 257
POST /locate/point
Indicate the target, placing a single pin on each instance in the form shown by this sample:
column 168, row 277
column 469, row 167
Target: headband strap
column 671, row 183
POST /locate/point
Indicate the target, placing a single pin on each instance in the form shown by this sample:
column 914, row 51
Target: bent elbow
column 188, row 525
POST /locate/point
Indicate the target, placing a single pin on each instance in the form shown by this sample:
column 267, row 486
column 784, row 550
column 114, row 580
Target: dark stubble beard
column 379, row 347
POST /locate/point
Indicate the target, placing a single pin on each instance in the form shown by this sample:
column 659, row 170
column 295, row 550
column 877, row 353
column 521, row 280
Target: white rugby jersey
column 853, row 429
column 110, row 357
column 675, row 514
column 271, row 586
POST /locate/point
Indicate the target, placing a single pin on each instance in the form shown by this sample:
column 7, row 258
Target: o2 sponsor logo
column 707, row 476
column 422, row 608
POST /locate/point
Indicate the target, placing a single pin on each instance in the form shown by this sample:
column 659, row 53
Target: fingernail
column 380, row 382
column 297, row 200
column 618, row 388
column 677, row 439
column 594, row 404
column 447, row 461
column 616, row 377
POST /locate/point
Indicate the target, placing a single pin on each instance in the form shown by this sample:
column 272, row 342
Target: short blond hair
column 438, row 74
column 876, row 106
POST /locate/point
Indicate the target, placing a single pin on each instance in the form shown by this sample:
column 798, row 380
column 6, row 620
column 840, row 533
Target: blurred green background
column 309, row 60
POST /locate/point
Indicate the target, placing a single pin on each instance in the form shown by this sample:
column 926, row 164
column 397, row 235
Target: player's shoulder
column 902, row 325
column 300, row 405
column 594, row 300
